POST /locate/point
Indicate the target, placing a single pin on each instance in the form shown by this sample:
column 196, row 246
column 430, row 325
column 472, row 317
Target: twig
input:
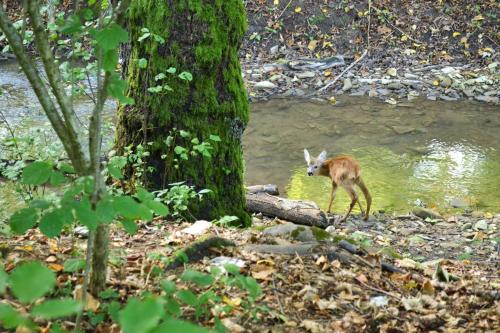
column 86, row 278
column 401, row 31
column 379, row 290
column 369, row 24
column 343, row 72
column 284, row 9
column 278, row 298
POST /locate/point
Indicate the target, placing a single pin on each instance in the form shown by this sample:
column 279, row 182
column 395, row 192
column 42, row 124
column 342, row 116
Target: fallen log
column 297, row 211
column 269, row 189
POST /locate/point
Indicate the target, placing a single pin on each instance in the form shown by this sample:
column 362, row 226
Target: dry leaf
column 312, row 326
column 262, row 272
column 298, row 9
column 91, row 302
column 383, row 30
column 51, row 259
column 232, row 326
column 312, row 45
column 56, row 267
column 428, row 288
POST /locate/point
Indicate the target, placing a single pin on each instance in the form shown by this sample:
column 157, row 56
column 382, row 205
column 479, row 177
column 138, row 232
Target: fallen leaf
column 56, row 267
column 312, row 326
column 262, row 272
column 91, row 302
column 298, row 9
column 383, row 30
column 51, row 259
column 312, row 45
column 234, row 302
column 232, row 326
column 428, row 288
column 456, row 34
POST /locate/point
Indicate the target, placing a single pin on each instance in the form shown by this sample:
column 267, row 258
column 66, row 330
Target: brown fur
column 344, row 171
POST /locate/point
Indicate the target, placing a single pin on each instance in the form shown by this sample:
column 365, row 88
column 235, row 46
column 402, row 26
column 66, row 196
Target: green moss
column 295, row 233
column 320, row 234
column 202, row 37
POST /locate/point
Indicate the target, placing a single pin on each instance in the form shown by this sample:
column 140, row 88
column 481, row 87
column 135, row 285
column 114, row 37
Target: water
column 444, row 150
column 429, row 153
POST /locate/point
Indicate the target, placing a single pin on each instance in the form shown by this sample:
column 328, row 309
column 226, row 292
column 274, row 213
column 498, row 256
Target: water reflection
column 448, row 153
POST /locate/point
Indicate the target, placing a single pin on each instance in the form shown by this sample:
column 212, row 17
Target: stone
column 294, row 92
column 447, row 98
column 458, row 203
column 411, row 76
column 81, row 231
column 392, row 72
column 264, row 85
column 469, row 92
column 274, row 49
column 383, row 92
column 446, row 82
column 402, row 129
column 487, row 99
column 395, row 85
column 306, row 75
column 347, row 84
column 275, row 77
column 481, row 225
column 424, row 213
column 372, row 93
column 197, row 228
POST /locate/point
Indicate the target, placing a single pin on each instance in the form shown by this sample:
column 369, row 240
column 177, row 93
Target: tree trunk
column 201, row 37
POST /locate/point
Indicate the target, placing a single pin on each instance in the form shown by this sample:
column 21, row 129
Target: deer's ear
column 322, row 156
column 307, row 156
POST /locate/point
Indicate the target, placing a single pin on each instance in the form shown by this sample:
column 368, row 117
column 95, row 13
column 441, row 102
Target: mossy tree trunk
column 201, row 37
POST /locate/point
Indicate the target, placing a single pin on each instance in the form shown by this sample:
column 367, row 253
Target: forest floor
column 449, row 284
column 435, row 49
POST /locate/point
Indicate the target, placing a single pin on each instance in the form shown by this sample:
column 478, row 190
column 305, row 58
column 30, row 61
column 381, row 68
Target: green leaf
column 3, row 280
column 160, row 76
column 105, row 210
column 184, row 134
column 74, row 265
column 140, row 316
column 168, row 286
column 110, row 60
column 57, row 178
column 143, row 37
column 23, row 220
column 215, row 138
column 30, row 281
column 116, row 89
column 66, row 168
column 115, row 172
column 110, row 37
column 84, row 213
column 157, row 207
column 40, row 204
column 10, row 318
column 187, row 297
column 56, row 308
column 36, row 173
column 253, row 287
column 51, row 223
column 131, row 209
column 179, row 150
column 171, row 70
column 155, row 89
column 130, row 226
column 143, row 195
column 143, row 63
column 232, row 269
column 178, row 326
column 198, row 278
column 72, row 25
column 186, row 76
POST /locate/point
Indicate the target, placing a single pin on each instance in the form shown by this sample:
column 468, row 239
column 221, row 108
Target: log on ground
column 297, row 211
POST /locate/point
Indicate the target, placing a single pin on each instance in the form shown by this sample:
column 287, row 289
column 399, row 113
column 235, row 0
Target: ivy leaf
column 117, row 87
column 143, row 63
column 140, row 316
column 198, row 278
column 215, row 138
column 36, row 173
column 110, row 37
column 186, row 76
column 171, row 70
column 157, row 207
column 31, row 280
column 105, row 210
column 23, row 220
column 85, row 214
column 56, row 308
column 74, row 265
column 3, row 280
column 187, row 297
column 110, row 60
column 160, row 76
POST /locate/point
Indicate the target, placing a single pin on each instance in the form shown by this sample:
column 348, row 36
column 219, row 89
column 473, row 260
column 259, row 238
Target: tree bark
column 201, row 37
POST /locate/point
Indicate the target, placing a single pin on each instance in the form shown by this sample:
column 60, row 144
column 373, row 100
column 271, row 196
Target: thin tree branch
column 343, row 72
column 54, row 77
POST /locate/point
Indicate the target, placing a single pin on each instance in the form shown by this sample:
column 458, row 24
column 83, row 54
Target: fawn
column 343, row 171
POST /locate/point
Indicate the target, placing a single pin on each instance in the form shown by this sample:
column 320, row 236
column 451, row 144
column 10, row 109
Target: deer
column 343, row 171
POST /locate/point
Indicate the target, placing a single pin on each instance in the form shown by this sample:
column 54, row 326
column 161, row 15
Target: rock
column 392, row 72
column 280, row 229
column 294, row 92
column 197, row 228
column 274, row 49
column 383, row 92
column 458, row 203
column 411, row 76
column 402, row 129
column 424, row 213
column 487, row 99
column 81, row 231
column 256, row 76
column 395, row 85
column 330, row 229
column 447, row 98
column 318, row 83
column 347, row 84
column 449, row 70
column 481, row 225
column 306, row 75
column 469, row 92
column 412, row 94
column 275, row 77
column 372, row 93
column 446, row 82
column 431, row 96
column 264, row 85
column 466, row 226
column 379, row 301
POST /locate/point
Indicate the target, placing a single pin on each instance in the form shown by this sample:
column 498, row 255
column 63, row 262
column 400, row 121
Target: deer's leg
column 360, row 207
column 354, row 198
column 332, row 196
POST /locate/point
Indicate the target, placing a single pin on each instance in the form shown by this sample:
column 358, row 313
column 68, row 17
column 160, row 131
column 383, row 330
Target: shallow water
column 444, row 150
column 420, row 153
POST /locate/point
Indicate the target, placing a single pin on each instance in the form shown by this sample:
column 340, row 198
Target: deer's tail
column 367, row 195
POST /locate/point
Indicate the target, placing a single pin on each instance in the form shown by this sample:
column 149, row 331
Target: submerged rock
column 424, row 213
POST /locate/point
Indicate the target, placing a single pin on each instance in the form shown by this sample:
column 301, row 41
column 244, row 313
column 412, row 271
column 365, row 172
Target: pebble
column 306, row 75
column 481, row 225
column 347, row 84
column 264, row 85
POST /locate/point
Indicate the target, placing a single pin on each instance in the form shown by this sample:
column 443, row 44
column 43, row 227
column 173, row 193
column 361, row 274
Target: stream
column 442, row 155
